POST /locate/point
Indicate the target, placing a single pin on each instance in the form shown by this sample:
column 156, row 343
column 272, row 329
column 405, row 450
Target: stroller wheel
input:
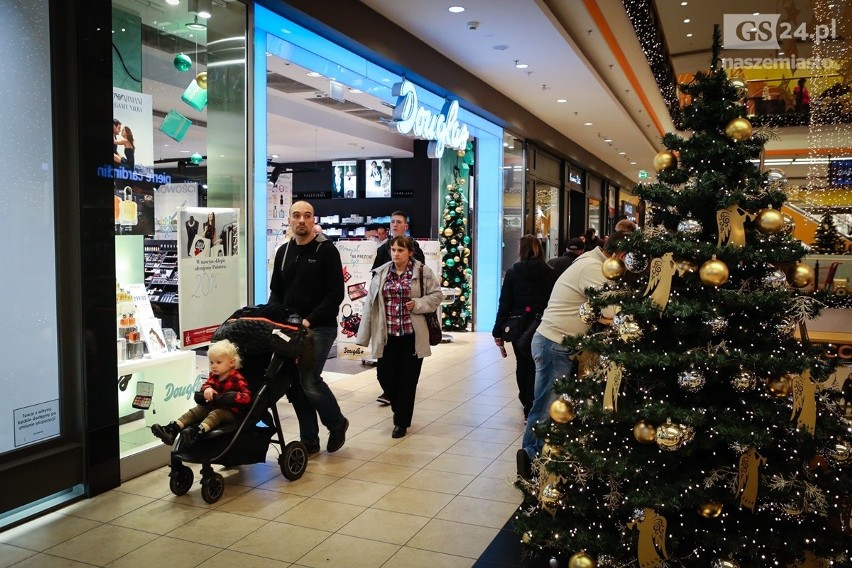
column 212, row 488
column 294, row 460
column 180, row 479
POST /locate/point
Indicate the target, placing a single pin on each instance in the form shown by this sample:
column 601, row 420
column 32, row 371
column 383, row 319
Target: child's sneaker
column 166, row 433
column 191, row 434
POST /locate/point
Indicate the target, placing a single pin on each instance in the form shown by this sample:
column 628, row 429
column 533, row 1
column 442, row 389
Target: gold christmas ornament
column 748, row 479
column 526, row 538
column 801, row 275
column 562, row 411
column 744, row 381
column 613, row 268
column 671, row 436
column 664, row 160
column 459, row 153
column 841, row 450
column 769, row 221
column 779, row 386
column 710, row 509
column 581, row 560
column 714, row 272
column 550, row 451
column 725, row 563
column 448, row 232
column 686, row 266
column 644, row 432
column 450, row 187
column 201, row 80
column 738, row 130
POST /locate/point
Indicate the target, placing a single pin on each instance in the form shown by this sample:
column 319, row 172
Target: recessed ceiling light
column 686, row 21
column 196, row 25
column 688, row 35
column 622, row 153
column 756, row 14
column 633, row 163
column 355, row 91
column 274, row 156
column 607, row 140
column 683, row 3
column 520, row 65
column 561, row 100
column 314, row 74
column 172, row 2
column 456, row 9
column 587, row 124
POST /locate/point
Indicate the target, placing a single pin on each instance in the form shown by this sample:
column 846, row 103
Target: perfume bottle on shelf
column 127, row 208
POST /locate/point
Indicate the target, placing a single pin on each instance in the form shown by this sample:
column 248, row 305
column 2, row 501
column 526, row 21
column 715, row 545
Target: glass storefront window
column 547, row 218
column 513, row 198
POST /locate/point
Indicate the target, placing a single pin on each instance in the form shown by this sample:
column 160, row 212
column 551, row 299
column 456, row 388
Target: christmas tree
column 697, row 432
column 456, row 261
column 827, row 237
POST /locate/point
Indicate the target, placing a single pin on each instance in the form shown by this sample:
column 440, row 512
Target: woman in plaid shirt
column 401, row 291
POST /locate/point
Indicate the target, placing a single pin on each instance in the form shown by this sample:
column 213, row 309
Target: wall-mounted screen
column 344, row 180
column 378, row 177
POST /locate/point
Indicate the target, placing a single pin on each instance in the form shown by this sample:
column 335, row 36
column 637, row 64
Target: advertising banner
column 357, row 259
column 168, row 198
column 135, row 138
column 208, row 273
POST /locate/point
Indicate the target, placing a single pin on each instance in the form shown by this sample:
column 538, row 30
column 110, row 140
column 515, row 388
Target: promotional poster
column 168, row 198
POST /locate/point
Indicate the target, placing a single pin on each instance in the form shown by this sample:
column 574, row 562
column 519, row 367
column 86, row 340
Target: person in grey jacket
column 401, row 291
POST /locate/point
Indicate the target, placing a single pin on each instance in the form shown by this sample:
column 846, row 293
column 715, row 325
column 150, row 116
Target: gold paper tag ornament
column 804, row 402
column 659, row 286
column 652, row 538
column 613, row 382
column 731, row 223
column 749, row 478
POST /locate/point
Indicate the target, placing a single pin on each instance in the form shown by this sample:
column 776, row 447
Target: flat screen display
column 344, row 179
column 378, row 177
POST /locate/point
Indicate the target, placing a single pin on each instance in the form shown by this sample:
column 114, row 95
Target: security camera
column 472, row 25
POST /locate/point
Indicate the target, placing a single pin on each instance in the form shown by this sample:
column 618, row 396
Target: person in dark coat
column 572, row 251
column 525, row 292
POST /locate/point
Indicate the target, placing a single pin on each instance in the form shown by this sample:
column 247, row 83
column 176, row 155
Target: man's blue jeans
column 551, row 362
column 314, row 397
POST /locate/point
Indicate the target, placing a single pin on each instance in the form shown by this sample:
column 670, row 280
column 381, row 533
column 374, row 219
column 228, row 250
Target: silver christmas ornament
column 690, row 226
column 635, row 262
column 786, row 327
column 775, row 279
column 718, row 325
column 740, row 85
column 775, row 179
column 629, row 330
column 587, row 313
column 691, row 380
column 744, row 381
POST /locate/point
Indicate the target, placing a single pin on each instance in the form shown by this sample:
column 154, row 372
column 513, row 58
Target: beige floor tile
column 377, row 436
column 462, row 419
column 355, row 449
column 382, row 473
column 334, row 464
column 456, row 463
column 446, row 430
column 307, row 485
column 413, row 501
column 194, row 496
column 498, row 400
column 480, row 512
column 505, row 422
column 338, row 549
column 365, row 420
column 354, row 492
column 408, row 557
column 232, row 559
column 218, row 528
column 449, row 396
column 250, row 475
column 153, row 484
column 459, row 539
column 159, row 517
column 47, row 531
column 401, row 456
column 386, row 526
column 281, row 541
column 477, row 448
column 432, row 403
column 106, row 506
column 471, row 407
column 503, row 470
column 425, row 443
column 262, row 504
column 440, row 481
column 493, row 489
column 166, row 552
column 102, row 544
column 48, row 561
column 13, row 554
column 320, row 514
column 496, row 436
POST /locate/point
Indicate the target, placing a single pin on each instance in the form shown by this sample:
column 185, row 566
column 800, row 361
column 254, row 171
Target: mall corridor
column 436, row 498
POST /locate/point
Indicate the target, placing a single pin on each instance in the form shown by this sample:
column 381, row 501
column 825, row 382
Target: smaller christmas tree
column 455, row 254
column 827, row 237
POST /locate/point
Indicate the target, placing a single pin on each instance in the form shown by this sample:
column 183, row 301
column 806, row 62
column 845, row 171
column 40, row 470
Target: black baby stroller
column 271, row 354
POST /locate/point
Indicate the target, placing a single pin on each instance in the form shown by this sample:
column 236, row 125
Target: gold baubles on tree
column 710, row 509
column 581, row 560
column 562, row 411
column 613, row 268
column 448, row 232
column 714, row 272
column 664, row 160
column 738, row 130
column 201, row 80
column 779, row 386
column 671, row 436
column 644, row 432
column 769, row 221
column 801, row 275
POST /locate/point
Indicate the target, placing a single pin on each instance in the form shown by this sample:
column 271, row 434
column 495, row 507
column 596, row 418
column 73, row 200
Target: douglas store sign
column 413, row 120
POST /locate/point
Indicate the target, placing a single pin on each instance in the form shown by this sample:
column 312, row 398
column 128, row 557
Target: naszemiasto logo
column 764, row 31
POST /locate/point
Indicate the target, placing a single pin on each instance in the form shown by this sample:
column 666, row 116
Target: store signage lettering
column 411, row 119
column 183, row 391
column 123, row 173
column 575, row 177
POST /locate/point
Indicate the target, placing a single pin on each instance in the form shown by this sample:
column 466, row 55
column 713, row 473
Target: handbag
column 432, row 321
column 513, row 328
column 524, row 343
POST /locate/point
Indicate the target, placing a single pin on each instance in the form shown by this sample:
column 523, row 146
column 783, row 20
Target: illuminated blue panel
column 261, row 289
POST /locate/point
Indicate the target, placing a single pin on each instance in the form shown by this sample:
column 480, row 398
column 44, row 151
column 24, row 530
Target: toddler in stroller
column 271, row 353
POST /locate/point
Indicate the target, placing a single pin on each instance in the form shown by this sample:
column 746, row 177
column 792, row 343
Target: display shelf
column 161, row 272
column 173, row 378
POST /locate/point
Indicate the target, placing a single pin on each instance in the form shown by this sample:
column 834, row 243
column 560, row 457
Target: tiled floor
column 435, row 498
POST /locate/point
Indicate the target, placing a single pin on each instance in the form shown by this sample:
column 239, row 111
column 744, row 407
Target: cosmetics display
column 129, row 342
column 161, row 271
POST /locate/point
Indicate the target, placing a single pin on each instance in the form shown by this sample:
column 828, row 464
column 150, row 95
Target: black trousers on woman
column 525, row 376
column 401, row 366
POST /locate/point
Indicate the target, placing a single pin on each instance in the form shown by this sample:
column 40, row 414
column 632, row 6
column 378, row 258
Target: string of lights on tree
column 699, row 431
column 456, row 261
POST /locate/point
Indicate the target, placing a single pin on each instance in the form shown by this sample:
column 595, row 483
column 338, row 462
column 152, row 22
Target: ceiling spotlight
column 314, row 74
column 561, row 100
column 608, row 140
column 201, row 7
column 196, row 25
column 355, row 91
column 688, row 35
column 686, row 21
column 633, row 163
column 456, row 9
column 520, row 65
column 172, row 2
column 622, row 153
column 587, row 124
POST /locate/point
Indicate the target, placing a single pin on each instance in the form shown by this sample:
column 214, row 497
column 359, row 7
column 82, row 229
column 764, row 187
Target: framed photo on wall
column 344, row 179
column 378, row 177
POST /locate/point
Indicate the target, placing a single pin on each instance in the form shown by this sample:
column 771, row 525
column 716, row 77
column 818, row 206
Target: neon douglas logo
column 764, row 31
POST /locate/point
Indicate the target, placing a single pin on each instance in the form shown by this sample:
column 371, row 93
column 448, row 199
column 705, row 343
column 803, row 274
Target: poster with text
column 168, row 199
column 357, row 259
column 378, row 177
column 134, row 207
column 209, row 276
column 344, row 180
column 135, row 137
column 279, row 197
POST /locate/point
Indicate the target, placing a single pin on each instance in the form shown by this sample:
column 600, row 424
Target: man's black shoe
column 524, row 464
column 312, row 448
column 383, row 399
column 398, row 431
column 337, row 437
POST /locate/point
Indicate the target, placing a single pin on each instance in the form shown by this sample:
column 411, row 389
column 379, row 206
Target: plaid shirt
column 396, row 292
column 233, row 382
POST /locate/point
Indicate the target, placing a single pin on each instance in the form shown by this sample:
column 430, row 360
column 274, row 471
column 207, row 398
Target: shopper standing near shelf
column 398, row 228
column 308, row 282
